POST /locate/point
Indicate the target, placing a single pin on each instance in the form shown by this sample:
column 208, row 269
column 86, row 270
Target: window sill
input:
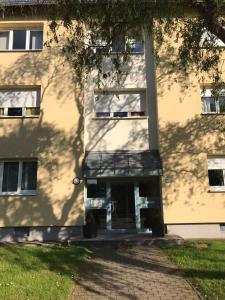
column 22, row 50
column 18, row 194
column 213, row 114
column 19, row 117
column 217, row 190
column 131, row 53
column 120, row 118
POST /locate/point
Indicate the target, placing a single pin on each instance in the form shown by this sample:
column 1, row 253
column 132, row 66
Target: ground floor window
column 18, row 177
column 216, row 173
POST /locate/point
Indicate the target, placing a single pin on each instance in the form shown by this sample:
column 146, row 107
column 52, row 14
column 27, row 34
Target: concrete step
column 127, row 239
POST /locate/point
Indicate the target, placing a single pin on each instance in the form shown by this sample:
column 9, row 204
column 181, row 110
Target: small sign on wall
column 92, row 181
column 96, row 203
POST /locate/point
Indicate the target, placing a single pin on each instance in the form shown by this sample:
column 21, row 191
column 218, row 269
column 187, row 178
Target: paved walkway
column 138, row 272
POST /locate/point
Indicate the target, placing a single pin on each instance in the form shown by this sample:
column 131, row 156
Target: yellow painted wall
column 55, row 138
column 186, row 138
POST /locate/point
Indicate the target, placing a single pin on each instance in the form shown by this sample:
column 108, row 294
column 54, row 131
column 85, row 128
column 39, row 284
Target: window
column 216, row 173
column 212, row 104
column 222, row 227
column 18, row 177
column 97, row 190
column 21, row 232
column 120, row 104
column 128, row 44
column 20, row 103
column 21, row 39
column 131, row 44
column 4, row 40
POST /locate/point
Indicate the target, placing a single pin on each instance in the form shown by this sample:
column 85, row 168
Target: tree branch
column 208, row 11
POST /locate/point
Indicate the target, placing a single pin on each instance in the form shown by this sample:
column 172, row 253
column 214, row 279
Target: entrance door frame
column 108, row 208
column 139, row 203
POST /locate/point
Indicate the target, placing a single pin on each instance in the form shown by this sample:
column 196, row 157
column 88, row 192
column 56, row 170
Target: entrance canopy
column 122, row 164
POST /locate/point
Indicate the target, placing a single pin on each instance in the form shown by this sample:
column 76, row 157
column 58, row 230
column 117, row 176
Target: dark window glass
column 135, row 46
column 36, row 40
column 21, row 232
column 118, row 45
column 29, row 175
column 137, row 113
column 119, row 114
column 208, row 104
column 96, row 190
column 222, row 227
column 149, row 188
column 216, row 177
column 212, row 105
column 102, row 114
column 10, row 177
column 222, row 105
column 19, row 39
column 15, row 111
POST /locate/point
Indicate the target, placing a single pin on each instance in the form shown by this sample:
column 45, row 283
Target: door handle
column 113, row 206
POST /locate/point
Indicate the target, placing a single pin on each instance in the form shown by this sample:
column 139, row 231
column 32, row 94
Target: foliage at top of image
column 101, row 23
column 194, row 26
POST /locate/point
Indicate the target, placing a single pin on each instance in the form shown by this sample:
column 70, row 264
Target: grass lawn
column 203, row 262
column 33, row 272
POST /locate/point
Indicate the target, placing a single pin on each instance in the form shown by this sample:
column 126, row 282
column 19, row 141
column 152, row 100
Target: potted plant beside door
column 157, row 223
column 90, row 228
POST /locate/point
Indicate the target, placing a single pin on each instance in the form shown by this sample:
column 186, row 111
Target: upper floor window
column 212, row 104
column 131, row 44
column 216, row 173
column 21, row 39
column 121, row 104
column 128, row 44
column 19, row 102
column 18, row 177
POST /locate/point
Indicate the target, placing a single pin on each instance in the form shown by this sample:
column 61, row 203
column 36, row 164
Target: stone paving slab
column 131, row 272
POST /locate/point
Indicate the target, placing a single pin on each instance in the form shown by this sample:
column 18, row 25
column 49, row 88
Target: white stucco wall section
column 116, row 133
column 136, row 133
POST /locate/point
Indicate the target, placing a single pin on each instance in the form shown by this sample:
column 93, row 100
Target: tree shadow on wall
column 184, row 148
column 55, row 139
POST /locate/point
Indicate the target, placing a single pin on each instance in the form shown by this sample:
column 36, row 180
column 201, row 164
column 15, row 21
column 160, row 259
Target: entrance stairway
column 126, row 239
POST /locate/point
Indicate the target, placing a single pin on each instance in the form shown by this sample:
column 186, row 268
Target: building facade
column 147, row 150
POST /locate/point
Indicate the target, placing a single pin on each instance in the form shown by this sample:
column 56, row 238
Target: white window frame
column 128, row 40
column 214, row 166
column 129, row 113
column 209, row 92
column 24, row 115
column 19, row 183
column 27, row 43
column 100, row 44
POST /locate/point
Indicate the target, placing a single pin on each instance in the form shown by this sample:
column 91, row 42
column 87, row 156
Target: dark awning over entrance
column 122, row 164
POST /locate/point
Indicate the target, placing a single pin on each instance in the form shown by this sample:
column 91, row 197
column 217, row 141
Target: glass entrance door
column 123, row 205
